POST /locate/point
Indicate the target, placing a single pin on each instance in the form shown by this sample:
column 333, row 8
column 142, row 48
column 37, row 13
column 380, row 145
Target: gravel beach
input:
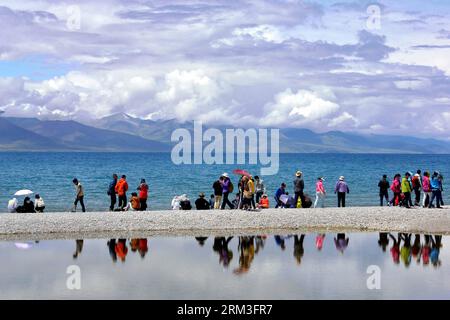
column 217, row 222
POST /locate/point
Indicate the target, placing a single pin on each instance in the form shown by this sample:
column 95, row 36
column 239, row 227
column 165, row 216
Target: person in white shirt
column 39, row 204
column 12, row 205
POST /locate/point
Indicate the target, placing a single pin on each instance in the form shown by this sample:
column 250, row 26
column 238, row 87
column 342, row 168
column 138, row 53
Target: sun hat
column 201, row 195
column 225, row 174
column 341, row 178
column 298, row 173
column 321, row 178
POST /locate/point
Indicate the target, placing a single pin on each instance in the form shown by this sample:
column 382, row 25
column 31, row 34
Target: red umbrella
column 241, row 172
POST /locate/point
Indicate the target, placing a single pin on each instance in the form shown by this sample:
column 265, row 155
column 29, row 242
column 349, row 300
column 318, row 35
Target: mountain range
column 124, row 133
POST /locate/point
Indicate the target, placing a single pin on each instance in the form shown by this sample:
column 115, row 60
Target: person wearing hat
column 227, row 187
column 417, row 186
column 201, row 203
column 299, row 186
column 320, row 193
column 406, row 190
column 341, row 189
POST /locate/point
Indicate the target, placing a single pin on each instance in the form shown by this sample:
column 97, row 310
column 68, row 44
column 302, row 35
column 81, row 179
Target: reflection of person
column 341, row 242
column 319, row 241
column 247, row 254
column 426, row 249
column 201, row 240
column 298, row 248
column 435, row 249
column 220, row 246
column 78, row 248
column 383, row 240
column 395, row 250
column 259, row 242
column 112, row 249
column 279, row 240
column 121, row 249
column 405, row 251
column 415, row 249
column 143, row 247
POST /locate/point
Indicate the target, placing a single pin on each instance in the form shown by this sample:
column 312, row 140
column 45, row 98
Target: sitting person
column 263, row 202
column 39, row 206
column 201, row 203
column 133, row 205
column 27, row 207
column 12, row 205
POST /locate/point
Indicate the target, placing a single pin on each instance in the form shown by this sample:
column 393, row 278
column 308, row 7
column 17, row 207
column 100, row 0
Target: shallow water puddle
column 310, row 266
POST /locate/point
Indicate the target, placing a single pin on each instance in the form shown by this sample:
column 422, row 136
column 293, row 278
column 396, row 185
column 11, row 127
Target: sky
column 369, row 67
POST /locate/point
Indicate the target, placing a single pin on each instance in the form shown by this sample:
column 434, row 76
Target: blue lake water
column 251, row 267
column 50, row 174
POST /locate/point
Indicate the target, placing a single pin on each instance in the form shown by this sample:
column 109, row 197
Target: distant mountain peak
column 120, row 116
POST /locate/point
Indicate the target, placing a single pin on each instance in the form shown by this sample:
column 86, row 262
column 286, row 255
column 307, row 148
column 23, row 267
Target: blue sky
column 321, row 65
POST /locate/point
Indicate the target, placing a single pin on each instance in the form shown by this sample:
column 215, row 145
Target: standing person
column 227, row 188
column 320, row 193
column 112, row 192
column 251, row 190
column 121, row 190
column 260, row 188
column 441, row 179
column 211, row 202
column 281, row 190
column 436, row 190
column 218, row 190
column 79, row 191
column 417, row 186
column 384, row 187
column 341, row 189
column 299, row 186
column 396, row 188
column 406, row 190
column 426, row 188
column 39, row 204
column 143, row 194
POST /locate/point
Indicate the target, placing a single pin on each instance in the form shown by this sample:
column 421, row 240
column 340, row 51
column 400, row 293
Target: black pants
column 407, row 202
column 225, row 201
column 113, row 201
column 302, row 197
column 258, row 196
column 81, row 200
column 143, row 204
column 438, row 195
column 341, row 199
column 384, row 195
column 417, row 193
column 123, row 201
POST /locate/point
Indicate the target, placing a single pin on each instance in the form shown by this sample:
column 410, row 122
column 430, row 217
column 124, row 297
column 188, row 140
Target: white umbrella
column 23, row 192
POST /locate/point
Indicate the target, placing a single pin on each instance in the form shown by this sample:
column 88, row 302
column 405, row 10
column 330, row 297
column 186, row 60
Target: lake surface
column 51, row 174
column 251, row 267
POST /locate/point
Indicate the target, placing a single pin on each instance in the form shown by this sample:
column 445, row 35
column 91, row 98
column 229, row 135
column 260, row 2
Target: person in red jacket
column 121, row 190
column 143, row 194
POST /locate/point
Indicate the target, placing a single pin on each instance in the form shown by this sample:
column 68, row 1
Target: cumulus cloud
column 275, row 63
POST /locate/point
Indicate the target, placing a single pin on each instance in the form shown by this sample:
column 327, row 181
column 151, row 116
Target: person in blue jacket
column 281, row 190
column 436, row 190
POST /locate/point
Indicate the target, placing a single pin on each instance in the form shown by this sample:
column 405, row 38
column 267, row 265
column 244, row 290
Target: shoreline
column 92, row 225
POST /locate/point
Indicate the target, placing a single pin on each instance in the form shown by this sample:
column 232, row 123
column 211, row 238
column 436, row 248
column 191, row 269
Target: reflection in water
column 341, row 242
column 201, row 240
column 298, row 248
column 220, row 246
column 78, row 248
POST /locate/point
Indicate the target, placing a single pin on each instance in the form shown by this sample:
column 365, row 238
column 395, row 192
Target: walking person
column 251, row 190
column 384, row 187
column 260, row 188
column 417, row 186
column 227, row 188
column 218, row 190
column 426, row 189
column 79, row 191
column 406, row 190
column 436, row 190
column 341, row 189
column 320, row 193
column 396, row 188
column 143, row 194
column 121, row 190
column 299, row 186
column 112, row 192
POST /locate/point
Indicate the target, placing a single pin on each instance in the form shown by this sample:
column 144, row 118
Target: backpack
column 230, row 187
